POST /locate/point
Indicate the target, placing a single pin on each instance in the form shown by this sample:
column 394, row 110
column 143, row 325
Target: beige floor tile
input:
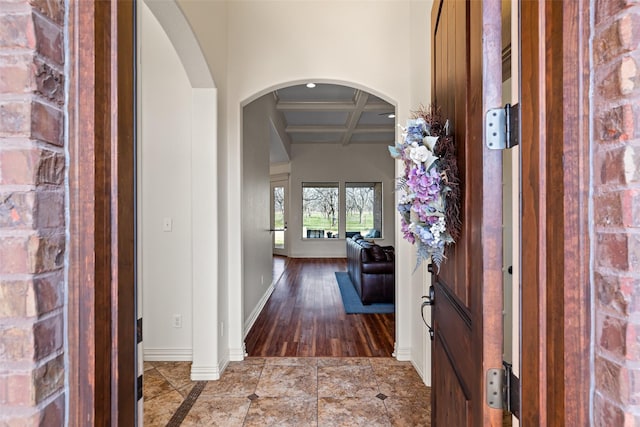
column 283, row 412
column 346, row 381
column 352, row 412
column 159, row 410
column 236, row 381
column 217, row 411
column 177, row 373
column 408, row 412
column 288, row 381
column 399, row 381
column 291, row 361
column 154, row 384
column 343, row 361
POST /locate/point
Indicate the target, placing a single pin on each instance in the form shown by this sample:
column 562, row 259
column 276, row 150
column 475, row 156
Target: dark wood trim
column 555, row 252
column 101, row 310
column 576, row 159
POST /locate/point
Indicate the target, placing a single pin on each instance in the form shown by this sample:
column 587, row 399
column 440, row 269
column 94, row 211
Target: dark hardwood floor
column 305, row 317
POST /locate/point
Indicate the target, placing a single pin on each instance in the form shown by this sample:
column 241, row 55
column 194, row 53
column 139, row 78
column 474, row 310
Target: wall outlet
column 167, row 224
column 177, row 320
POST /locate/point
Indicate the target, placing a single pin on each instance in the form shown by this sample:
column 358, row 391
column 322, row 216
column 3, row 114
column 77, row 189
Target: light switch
column 167, row 224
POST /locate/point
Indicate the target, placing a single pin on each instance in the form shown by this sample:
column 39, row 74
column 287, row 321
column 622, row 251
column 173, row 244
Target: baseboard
column 403, row 354
column 205, row 373
column 256, row 311
column 168, row 354
column 237, row 354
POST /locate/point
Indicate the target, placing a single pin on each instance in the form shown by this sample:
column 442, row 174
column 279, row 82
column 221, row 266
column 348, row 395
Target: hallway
column 288, row 392
column 305, row 317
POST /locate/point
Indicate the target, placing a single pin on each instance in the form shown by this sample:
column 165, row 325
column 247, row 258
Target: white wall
column 164, row 192
column 338, row 163
column 256, row 188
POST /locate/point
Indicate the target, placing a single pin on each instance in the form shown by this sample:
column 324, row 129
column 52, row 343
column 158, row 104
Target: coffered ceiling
column 334, row 114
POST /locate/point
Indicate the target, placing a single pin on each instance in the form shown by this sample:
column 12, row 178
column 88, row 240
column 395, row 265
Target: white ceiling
column 331, row 114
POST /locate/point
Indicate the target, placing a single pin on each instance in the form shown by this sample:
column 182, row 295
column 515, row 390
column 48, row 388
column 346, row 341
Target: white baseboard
column 256, row 311
column 205, row 373
column 403, row 354
column 209, row 373
column 168, row 354
column 237, row 354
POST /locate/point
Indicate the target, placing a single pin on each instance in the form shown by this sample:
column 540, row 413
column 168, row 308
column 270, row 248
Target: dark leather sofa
column 372, row 270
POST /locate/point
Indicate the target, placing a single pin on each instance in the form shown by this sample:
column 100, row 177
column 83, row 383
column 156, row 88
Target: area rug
column 351, row 300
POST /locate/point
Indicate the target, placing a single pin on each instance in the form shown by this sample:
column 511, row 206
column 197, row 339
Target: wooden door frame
column 556, row 316
column 101, row 314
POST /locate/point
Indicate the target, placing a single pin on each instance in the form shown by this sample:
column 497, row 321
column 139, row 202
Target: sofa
column 371, row 268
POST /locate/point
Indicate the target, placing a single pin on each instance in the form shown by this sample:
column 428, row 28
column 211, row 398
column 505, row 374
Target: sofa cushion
column 377, row 253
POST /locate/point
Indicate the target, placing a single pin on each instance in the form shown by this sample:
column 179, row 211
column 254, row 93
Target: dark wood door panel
column 467, row 313
column 455, row 332
column 449, row 390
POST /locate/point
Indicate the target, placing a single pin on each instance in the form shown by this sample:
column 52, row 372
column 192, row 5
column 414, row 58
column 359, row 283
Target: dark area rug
column 351, row 300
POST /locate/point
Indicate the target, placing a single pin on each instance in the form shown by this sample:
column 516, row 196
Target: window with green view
column 320, row 210
column 364, row 209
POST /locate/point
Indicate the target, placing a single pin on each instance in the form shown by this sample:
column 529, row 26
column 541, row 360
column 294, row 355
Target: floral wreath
column 429, row 189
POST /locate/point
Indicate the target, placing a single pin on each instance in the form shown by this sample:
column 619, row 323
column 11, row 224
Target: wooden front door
column 467, row 313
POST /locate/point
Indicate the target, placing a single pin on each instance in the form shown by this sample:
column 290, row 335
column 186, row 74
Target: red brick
column 32, row 254
column 14, row 258
column 612, row 251
column 15, row 119
column 619, row 166
column 607, row 44
column 31, row 297
column 53, row 9
column 17, row 31
column 49, row 82
column 617, row 124
column 31, row 166
column 611, row 335
column 47, row 337
column 47, row 124
column 630, row 204
column 607, row 413
column 634, row 252
column 618, row 208
column 606, row 9
column 16, row 78
column 617, row 295
column 618, row 381
column 31, row 343
column 628, row 76
column 608, row 210
column 16, row 343
column 629, row 31
column 16, row 388
column 48, row 378
column 46, row 253
column 14, row 298
column 49, row 39
column 51, row 415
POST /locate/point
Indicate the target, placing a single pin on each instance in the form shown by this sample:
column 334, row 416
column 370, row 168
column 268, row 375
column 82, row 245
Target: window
column 364, row 209
column 320, row 210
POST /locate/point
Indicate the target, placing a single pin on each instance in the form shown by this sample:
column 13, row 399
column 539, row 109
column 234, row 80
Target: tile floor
column 282, row 392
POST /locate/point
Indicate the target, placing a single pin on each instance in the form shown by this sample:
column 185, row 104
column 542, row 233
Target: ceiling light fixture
column 392, row 116
column 311, row 85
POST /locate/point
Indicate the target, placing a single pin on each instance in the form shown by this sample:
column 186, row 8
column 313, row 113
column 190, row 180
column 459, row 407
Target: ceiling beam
column 339, row 129
column 354, row 117
column 331, row 106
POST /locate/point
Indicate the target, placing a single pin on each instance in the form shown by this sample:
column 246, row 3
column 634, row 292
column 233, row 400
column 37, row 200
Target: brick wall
column 32, row 221
column 616, row 182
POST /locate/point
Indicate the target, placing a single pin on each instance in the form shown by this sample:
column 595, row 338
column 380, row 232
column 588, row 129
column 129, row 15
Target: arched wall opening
column 177, row 193
column 255, row 180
